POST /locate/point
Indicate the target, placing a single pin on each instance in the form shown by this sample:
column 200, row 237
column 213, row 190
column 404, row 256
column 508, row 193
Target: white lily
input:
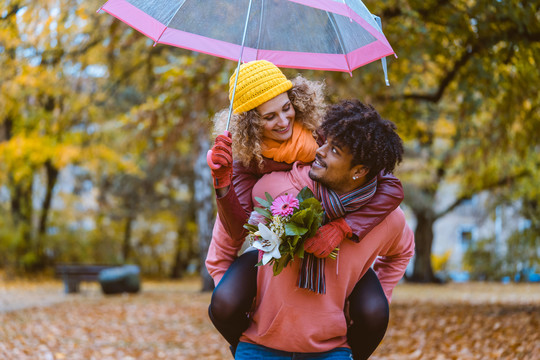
column 268, row 242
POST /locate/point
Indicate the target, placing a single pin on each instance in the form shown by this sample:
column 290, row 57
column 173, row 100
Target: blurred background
column 103, row 138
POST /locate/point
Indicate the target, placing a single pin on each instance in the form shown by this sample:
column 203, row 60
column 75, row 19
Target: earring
column 355, row 177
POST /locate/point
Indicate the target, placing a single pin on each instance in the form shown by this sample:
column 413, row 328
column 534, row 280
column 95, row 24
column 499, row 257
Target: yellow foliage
column 97, row 156
column 22, row 155
column 445, row 128
column 439, row 262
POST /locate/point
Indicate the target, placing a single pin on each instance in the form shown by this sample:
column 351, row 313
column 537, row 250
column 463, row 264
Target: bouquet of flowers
column 280, row 227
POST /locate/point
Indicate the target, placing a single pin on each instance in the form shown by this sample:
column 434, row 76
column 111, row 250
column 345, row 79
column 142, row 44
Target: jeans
column 248, row 351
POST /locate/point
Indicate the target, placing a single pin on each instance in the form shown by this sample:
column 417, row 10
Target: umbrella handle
column 238, row 66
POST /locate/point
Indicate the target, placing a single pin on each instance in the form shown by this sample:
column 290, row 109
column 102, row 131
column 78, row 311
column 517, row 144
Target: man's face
column 332, row 168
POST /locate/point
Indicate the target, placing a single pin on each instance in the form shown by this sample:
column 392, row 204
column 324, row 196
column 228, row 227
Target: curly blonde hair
column 307, row 98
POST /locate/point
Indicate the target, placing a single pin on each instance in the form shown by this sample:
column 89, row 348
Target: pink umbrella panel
column 334, row 35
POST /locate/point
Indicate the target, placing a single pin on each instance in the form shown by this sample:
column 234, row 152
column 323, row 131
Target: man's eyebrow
column 337, row 146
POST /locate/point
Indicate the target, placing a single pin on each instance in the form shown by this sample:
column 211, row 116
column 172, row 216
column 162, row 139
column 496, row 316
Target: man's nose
column 321, row 151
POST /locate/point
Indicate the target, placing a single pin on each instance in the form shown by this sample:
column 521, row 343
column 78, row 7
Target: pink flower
column 284, row 205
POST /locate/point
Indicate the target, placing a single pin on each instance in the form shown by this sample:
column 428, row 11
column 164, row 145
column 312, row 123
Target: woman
column 274, row 125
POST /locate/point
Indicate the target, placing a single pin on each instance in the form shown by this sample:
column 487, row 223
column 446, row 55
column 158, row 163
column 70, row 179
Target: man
column 288, row 321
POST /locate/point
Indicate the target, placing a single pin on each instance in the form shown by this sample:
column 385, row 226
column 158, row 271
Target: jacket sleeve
column 390, row 266
column 234, row 208
column 233, row 216
column 387, row 198
column 221, row 252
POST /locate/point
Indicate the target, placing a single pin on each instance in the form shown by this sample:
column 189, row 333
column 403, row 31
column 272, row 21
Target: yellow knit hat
column 258, row 82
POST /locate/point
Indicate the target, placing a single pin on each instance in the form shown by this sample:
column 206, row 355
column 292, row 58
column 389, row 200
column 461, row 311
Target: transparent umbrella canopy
column 336, row 35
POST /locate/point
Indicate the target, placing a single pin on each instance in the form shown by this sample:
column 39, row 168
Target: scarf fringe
column 312, row 274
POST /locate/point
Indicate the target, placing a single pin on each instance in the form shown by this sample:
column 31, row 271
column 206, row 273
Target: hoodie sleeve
column 392, row 261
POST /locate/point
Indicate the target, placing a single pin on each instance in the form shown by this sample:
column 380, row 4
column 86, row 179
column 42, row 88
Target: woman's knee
column 236, row 290
column 223, row 305
column 368, row 303
column 371, row 312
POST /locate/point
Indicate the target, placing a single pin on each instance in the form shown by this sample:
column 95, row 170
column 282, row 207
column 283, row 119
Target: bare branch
column 500, row 182
column 14, row 9
column 445, row 81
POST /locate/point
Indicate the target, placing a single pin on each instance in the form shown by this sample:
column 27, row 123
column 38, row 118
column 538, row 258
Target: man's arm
column 390, row 266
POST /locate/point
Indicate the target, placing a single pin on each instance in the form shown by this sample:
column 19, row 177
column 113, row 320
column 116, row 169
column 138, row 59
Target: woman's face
column 278, row 117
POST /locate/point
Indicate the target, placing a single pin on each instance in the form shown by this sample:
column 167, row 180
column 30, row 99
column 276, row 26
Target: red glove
column 219, row 159
column 327, row 238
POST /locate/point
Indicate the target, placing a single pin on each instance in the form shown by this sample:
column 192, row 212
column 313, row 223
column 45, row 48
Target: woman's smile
column 282, row 130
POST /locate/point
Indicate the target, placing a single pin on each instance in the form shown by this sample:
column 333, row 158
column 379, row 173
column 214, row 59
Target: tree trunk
column 204, row 201
column 126, row 246
column 21, row 212
column 184, row 243
column 52, row 177
column 179, row 264
column 6, row 127
column 423, row 272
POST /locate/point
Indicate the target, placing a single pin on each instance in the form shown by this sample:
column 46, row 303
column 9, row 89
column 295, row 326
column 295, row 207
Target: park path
column 22, row 294
column 19, row 294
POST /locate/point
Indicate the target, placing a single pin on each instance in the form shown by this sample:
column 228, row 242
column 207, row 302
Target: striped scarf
column 312, row 271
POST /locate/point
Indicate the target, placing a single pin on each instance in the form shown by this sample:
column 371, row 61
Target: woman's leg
column 369, row 312
column 233, row 296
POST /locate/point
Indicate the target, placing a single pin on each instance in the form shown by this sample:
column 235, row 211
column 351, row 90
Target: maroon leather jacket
column 235, row 207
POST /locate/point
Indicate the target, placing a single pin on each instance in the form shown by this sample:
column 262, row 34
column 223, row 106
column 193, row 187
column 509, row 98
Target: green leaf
column 267, row 214
column 294, row 243
column 280, row 264
column 305, row 194
column 300, row 252
column 251, row 227
column 292, row 229
column 269, row 198
column 311, row 203
column 263, row 202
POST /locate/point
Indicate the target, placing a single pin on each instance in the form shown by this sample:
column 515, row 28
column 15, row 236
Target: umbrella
column 337, row 35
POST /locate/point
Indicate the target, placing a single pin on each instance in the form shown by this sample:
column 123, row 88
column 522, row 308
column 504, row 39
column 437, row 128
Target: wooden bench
column 73, row 274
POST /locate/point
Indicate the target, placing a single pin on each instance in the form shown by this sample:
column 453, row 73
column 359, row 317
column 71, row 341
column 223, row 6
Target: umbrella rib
column 238, row 66
column 167, row 25
column 260, row 29
column 338, row 33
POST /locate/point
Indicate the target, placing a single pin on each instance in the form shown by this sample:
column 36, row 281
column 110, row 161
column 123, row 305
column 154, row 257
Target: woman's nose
column 283, row 120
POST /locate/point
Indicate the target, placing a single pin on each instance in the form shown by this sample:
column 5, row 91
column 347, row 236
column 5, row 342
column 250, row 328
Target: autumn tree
column 175, row 122
column 54, row 97
column 464, row 96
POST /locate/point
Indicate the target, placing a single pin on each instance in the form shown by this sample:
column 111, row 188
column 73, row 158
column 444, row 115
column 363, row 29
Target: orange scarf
column 301, row 146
